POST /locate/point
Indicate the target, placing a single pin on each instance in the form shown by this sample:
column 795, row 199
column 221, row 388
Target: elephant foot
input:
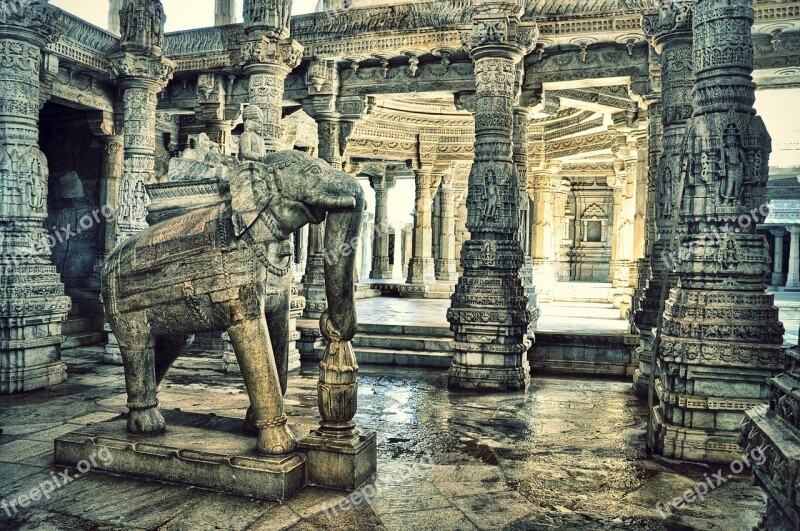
column 146, row 421
column 250, row 423
column 275, row 437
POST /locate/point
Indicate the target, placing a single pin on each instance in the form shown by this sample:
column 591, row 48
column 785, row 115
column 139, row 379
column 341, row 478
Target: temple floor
column 566, row 454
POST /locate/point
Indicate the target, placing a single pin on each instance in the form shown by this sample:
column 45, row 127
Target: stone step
column 81, row 324
column 424, row 330
column 404, row 358
column 83, row 339
column 403, row 342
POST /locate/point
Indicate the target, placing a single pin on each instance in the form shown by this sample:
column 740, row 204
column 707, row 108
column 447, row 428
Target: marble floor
column 566, row 454
column 555, row 316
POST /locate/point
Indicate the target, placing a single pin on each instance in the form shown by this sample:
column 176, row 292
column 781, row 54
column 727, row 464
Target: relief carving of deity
column 733, row 166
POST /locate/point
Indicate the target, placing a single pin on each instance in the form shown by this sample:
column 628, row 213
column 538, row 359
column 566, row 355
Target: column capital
column 33, row 21
column 140, row 70
column 671, row 23
column 793, row 229
column 498, row 30
column 264, row 55
column 778, row 233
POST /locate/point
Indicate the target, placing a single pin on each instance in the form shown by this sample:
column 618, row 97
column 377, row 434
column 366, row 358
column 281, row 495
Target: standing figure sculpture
column 734, row 167
column 227, row 268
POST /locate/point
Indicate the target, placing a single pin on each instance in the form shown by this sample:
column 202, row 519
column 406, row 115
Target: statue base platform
column 204, row 451
column 344, row 464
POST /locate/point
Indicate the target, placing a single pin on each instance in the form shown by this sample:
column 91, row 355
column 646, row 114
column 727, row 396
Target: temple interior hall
column 372, row 264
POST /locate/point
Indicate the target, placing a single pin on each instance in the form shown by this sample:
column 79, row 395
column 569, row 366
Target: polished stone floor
column 566, row 454
column 555, row 316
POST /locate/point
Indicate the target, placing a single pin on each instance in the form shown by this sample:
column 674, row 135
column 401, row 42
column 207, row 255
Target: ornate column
column 268, row 55
column 381, row 182
column 670, row 34
column 32, row 300
column 561, row 188
column 623, row 241
column 542, row 234
column 408, row 245
column 224, row 12
column 489, row 311
column 421, row 267
column 214, row 109
column 397, row 257
column 446, row 262
column 141, row 72
column 520, row 157
column 778, row 278
column 721, row 336
column 793, row 276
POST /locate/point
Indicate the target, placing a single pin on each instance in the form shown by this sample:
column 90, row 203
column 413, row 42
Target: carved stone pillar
column 520, row 156
column 381, row 268
column 397, row 256
column 462, row 234
column 489, row 311
column 408, row 245
column 671, row 36
column 793, row 276
column 623, row 240
column 32, row 300
column 421, row 267
column 542, row 232
column 446, row 262
column 224, row 12
column 778, row 278
column 721, row 336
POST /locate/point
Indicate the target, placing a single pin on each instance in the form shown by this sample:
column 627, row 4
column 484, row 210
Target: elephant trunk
column 338, row 386
column 342, row 236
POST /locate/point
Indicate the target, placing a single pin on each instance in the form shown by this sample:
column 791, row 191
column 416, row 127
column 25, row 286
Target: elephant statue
column 226, row 267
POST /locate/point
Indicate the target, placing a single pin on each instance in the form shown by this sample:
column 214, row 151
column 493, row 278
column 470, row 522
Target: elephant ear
column 251, row 192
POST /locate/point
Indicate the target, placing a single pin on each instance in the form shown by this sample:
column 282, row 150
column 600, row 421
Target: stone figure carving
column 251, row 143
column 142, row 23
column 733, row 166
column 227, row 267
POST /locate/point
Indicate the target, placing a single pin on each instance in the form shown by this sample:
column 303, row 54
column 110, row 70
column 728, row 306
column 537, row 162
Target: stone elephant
column 227, row 267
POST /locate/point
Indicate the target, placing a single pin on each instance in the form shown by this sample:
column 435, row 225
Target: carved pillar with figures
column 671, row 36
column 721, row 336
column 381, row 181
column 224, row 13
column 489, row 311
column 793, row 275
column 32, row 301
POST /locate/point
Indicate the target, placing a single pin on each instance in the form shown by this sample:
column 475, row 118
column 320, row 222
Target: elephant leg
column 167, row 349
column 253, row 350
column 135, row 345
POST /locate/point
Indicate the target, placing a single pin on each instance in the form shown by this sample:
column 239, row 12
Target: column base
column 21, row 379
column 446, row 270
column 544, row 279
column 485, row 378
column 709, row 446
column 343, row 464
column 421, row 271
column 641, row 382
column 778, row 280
column 111, row 353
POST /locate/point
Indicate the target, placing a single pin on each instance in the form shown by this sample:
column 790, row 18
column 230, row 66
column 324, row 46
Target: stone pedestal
column 344, row 464
column 770, row 438
column 205, row 451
